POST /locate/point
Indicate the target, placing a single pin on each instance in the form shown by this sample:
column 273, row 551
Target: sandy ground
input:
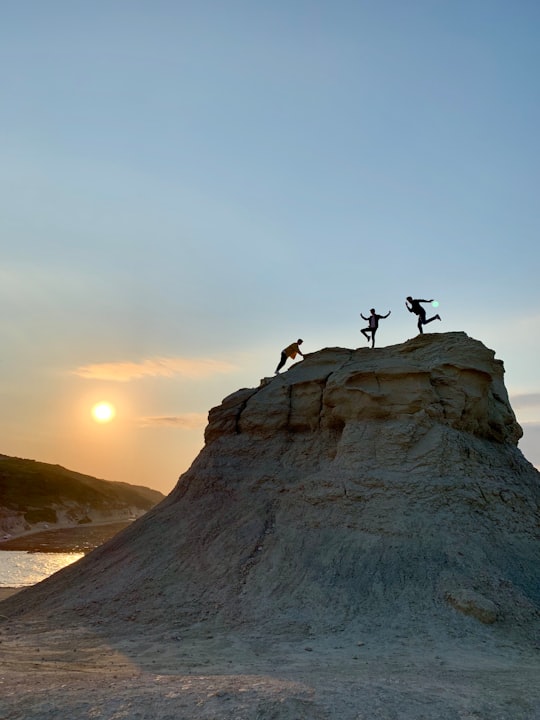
column 89, row 672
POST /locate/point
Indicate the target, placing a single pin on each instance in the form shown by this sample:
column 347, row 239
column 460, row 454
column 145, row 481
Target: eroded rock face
column 370, row 488
column 445, row 379
column 342, row 419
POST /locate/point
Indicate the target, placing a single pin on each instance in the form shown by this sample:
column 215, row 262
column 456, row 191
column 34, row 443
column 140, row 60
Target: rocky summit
column 372, row 489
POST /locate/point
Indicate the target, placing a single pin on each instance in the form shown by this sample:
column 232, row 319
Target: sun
column 103, row 412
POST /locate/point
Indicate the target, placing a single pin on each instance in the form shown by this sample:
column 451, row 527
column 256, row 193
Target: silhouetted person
column 417, row 309
column 373, row 324
column 290, row 352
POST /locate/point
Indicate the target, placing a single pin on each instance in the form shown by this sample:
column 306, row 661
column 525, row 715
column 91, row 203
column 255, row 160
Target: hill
column 35, row 495
column 357, row 539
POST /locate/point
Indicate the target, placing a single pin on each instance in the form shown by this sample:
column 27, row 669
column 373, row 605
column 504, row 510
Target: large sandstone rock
column 375, row 490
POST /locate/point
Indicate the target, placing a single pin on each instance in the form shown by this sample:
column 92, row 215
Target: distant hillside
column 36, row 494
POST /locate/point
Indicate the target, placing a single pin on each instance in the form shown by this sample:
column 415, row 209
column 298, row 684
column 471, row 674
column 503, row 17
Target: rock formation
column 357, row 539
column 380, row 490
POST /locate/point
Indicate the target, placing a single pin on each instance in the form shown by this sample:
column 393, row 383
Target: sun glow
column 103, row 412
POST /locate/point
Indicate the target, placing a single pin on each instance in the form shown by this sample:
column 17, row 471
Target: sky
column 187, row 186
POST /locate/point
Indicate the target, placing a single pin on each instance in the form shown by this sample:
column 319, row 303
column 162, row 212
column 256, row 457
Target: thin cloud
column 124, row 371
column 187, row 421
column 526, row 400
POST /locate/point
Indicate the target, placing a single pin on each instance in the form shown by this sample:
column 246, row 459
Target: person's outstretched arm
column 387, row 314
column 362, row 316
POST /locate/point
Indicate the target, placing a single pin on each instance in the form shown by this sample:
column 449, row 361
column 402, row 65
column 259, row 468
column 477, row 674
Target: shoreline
column 6, row 592
column 73, row 538
column 68, row 526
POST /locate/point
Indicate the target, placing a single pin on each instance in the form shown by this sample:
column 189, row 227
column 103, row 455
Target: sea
column 18, row 569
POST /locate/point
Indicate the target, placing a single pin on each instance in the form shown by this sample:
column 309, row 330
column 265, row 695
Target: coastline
column 6, row 592
column 71, row 539
column 78, row 538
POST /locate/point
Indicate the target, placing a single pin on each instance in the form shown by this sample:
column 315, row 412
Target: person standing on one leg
column 373, row 324
column 417, row 309
column 290, row 352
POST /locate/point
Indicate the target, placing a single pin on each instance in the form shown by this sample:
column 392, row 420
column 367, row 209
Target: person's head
column 299, row 341
column 372, row 311
column 409, row 298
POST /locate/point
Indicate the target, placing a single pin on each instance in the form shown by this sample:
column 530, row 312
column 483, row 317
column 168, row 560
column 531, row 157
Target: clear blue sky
column 187, row 187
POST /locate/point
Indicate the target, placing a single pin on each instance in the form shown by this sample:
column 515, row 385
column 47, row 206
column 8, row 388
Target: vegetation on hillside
column 32, row 487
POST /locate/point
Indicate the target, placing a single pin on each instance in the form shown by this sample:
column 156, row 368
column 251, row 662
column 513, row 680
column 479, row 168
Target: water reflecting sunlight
column 19, row 569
